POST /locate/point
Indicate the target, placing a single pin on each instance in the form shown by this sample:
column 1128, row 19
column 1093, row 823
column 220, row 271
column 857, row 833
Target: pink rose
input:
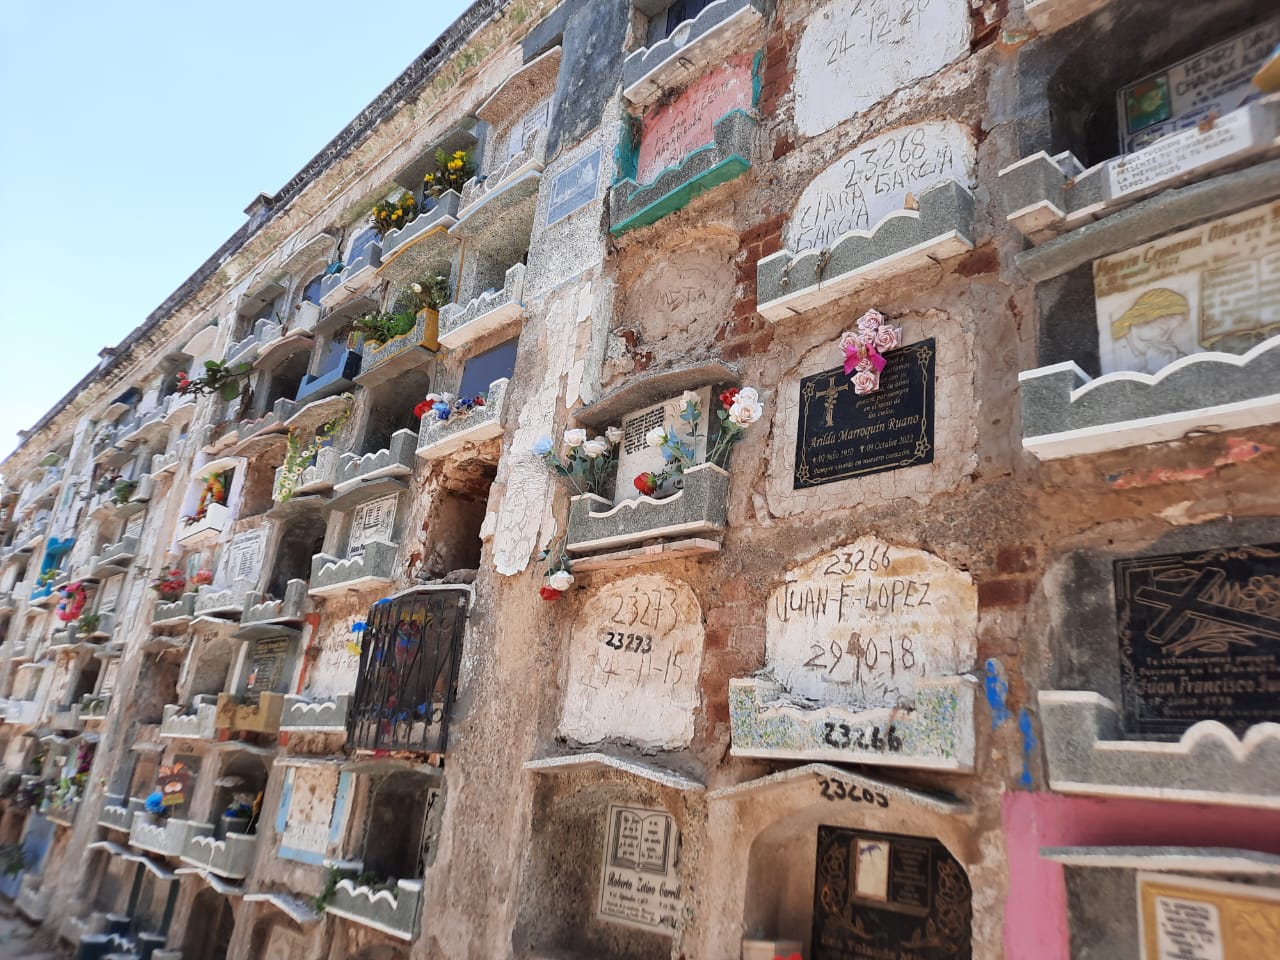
column 888, row 338
column 866, row 381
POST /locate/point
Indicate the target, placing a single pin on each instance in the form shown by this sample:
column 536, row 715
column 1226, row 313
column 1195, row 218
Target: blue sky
column 133, row 138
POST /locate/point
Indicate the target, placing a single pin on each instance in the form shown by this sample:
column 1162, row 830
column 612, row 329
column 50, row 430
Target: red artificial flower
column 479, row 401
column 550, row 593
column 647, row 483
column 421, row 409
column 728, row 396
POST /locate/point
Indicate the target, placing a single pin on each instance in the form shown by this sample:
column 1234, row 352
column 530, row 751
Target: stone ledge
column 198, row 724
column 238, row 713
column 633, row 205
column 172, row 613
column 380, row 361
column 1087, row 753
column 790, row 283
column 166, row 837
column 936, row 733
column 261, row 609
column 1045, row 196
column 1065, row 413
column 355, row 278
column 1050, row 15
column 436, row 438
column 320, row 476
column 231, row 857
column 330, row 575
column 395, row 913
column 397, row 460
column 339, row 377
column 302, row 715
column 465, row 323
column 440, row 217
column 717, row 31
column 654, row 387
column 700, row 508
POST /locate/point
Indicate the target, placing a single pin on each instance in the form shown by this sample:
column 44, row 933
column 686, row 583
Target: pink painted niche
column 671, row 132
column 1035, row 918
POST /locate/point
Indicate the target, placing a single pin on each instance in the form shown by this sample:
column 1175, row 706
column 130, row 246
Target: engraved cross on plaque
column 829, row 397
column 1181, row 611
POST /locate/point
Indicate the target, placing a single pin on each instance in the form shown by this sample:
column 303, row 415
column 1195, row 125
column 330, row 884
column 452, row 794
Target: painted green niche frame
column 636, row 205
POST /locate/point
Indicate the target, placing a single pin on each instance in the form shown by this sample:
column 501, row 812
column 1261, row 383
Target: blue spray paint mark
column 1028, row 745
column 997, row 688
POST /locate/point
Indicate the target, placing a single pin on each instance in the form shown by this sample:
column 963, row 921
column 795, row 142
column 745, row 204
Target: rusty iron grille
column 409, row 657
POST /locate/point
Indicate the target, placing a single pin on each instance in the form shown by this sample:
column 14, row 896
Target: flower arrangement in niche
column 74, row 598
column 299, row 456
column 171, row 584
column 388, row 215
column 202, row 578
column 215, row 491
column 587, row 464
column 123, row 490
column 219, row 378
column 558, row 578
column 451, row 172
column 383, row 325
column 431, row 292
column 445, row 406
column 864, row 350
column 739, row 408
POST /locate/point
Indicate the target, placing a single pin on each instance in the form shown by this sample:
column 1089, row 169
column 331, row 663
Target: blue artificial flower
column 442, row 410
column 154, row 802
column 542, row 446
column 359, row 627
column 384, row 600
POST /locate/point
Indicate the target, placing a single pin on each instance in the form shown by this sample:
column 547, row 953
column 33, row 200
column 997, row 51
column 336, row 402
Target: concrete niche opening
column 390, row 406
column 211, row 925
column 561, row 913
column 242, row 778
column 208, row 668
column 453, row 526
column 396, row 830
column 1120, row 44
column 301, row 539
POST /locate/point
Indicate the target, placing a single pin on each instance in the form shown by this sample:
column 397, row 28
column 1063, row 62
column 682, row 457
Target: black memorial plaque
column 1200, row 639
column 886, row 896
column 842, row 435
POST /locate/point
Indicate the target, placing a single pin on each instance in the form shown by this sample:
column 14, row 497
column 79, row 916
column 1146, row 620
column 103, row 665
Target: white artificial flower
column 689, row 397
column 561, row 580
column 747, row 395
column 656, row 437
column 575, row 438
column 596, row 447
column 417, row 288
column 613, row 435
column 745, row 412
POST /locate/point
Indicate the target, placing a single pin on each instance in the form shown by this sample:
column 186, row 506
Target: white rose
column 417, row 288
column 613, row 435
column 656, row 437
column 745, row 413
column 561, row 580
column 575, row 438
column 747, row 395
column 596, row 447
column 689, row 397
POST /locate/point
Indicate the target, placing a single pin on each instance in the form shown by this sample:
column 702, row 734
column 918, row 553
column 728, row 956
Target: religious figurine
column 864, row 350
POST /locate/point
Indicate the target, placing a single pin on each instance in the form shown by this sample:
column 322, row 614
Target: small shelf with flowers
column 667, row 466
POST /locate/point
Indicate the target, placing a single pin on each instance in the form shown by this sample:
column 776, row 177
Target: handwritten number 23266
column 844, row 737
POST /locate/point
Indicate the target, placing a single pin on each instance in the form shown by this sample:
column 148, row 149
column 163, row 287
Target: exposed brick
column 1005, row 592
column 1016, row 558
column 716, row 638
column 718, row 709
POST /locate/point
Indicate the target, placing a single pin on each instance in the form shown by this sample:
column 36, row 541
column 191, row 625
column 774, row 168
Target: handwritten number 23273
column 629, row 642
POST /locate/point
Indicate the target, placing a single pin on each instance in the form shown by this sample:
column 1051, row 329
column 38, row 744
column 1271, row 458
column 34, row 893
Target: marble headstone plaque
column 635, row 456
column 670, row 133
column 1213, row 81
column 855, row 53
column 1182, row 918
column 310, row 799
column 371, row 521
column 872, row 181
column 634, row 658
column 842, row 436
column 887, row 896
column 639, row 884
column 1213, row 287
column 867, row 648
column 243, row 557
column 1200, row 639
column 574, row 188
